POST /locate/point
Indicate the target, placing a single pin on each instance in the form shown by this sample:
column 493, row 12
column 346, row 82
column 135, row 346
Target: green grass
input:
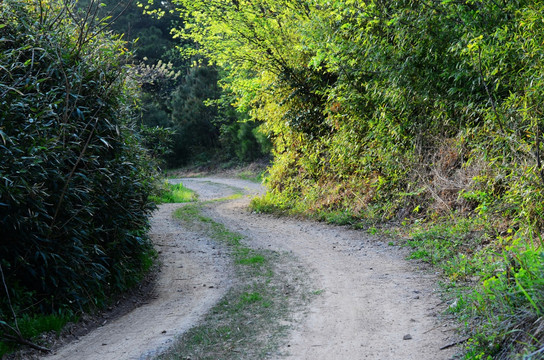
column 337, row 217
column 32, row 326
column 495, row 281
column 171, row 193
column 271, row 203
column 250, row 321
column 237, row 195
column 254, row 260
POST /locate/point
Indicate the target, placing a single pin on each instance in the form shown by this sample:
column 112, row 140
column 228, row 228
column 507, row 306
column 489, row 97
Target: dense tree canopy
column 180, row 90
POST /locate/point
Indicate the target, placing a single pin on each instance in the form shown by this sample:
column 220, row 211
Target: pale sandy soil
column 372, row 298
column 373, row 304
column 194, row 276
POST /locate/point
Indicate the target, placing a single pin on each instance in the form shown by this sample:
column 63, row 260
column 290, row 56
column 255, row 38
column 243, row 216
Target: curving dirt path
column 194, row 276
column 373, row 303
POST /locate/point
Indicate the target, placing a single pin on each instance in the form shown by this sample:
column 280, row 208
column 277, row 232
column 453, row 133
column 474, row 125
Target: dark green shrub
column 243, row 141
column 74, row 179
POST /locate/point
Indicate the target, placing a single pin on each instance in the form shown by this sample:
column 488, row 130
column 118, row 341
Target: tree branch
column 493, row 105
column 18, row 337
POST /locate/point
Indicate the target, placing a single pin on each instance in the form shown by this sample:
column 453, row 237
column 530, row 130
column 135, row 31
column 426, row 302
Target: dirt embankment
column 373, row 304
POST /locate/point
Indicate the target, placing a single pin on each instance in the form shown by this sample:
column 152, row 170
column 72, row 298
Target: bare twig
column 435, row 195
column 453, row 344
column 22, row 340
column 538, row 159
column 434, row 328
column 18, row 337
column 9, row 300
column 491, row 99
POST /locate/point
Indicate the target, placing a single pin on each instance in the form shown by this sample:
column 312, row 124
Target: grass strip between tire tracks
column 255, row 314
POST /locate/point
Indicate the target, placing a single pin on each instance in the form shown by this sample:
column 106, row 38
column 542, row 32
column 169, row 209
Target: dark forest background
column 181, row 91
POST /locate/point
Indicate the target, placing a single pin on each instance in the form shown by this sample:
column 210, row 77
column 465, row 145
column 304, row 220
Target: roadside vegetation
column 74, row 177
column 95, row 101
column 423, row 113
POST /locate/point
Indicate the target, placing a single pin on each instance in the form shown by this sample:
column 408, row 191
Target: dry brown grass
column 447, row 174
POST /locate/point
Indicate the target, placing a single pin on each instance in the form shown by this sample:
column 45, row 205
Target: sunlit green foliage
column 173, row 193
column 74, row 178
column 379, row 97
column 504, row 311
column 391, row 110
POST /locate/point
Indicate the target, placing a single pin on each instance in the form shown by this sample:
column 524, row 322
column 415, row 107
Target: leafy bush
column 74, row 178
column 393, row 110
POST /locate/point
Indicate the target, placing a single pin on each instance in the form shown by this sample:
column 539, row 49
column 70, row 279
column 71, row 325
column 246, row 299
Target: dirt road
column 373, row 304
